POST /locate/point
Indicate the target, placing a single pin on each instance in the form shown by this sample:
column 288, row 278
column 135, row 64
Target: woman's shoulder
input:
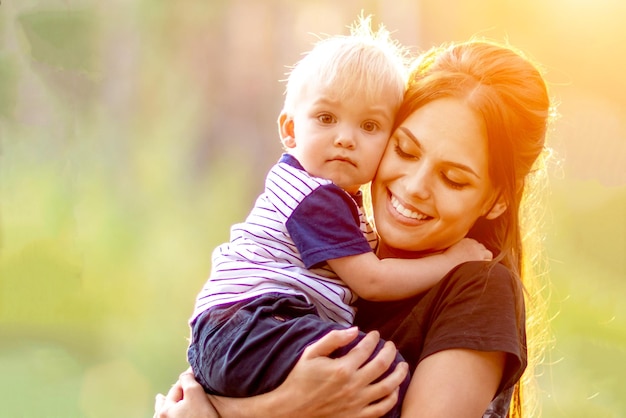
column 487, row 269
column 490, row 277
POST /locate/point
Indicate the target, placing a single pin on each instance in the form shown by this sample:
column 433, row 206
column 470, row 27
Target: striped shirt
column 296, row 225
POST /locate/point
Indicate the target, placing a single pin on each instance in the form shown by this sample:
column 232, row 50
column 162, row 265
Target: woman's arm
column 454, row 383
column 318, row 386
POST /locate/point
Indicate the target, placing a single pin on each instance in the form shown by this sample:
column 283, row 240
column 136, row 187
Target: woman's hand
column 186, row 399
column 343, row 387
column 319, row 386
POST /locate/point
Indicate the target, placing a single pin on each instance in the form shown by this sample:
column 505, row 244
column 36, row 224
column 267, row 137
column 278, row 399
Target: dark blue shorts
column 249, row 347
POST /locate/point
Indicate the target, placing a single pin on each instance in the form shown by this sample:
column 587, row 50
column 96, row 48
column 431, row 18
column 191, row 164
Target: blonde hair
column 534, row 274
column 365, row 61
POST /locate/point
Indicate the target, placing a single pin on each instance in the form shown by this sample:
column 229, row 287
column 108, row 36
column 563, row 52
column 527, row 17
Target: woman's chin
column 398, row 241
column 403, row 249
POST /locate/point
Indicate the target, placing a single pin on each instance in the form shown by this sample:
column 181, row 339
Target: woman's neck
column 385, row 251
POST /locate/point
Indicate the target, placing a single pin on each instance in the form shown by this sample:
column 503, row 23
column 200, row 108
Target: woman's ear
column 498, row 208
column 285, row 130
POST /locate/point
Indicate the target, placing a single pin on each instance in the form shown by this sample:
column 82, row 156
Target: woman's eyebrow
column 460, row 166
column 464, row 168
column 408, row 133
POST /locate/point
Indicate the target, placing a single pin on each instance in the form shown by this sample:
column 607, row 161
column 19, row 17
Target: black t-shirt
column 476, row 306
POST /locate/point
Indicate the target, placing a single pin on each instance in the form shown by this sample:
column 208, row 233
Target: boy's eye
column 326, row 118
column 370, row 126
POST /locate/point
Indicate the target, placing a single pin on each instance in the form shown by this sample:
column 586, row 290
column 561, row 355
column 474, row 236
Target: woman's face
column 432, row 183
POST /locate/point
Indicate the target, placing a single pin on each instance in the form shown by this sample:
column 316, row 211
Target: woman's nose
column 418, row 181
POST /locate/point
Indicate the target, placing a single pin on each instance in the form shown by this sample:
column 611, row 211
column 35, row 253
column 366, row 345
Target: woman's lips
column 405, row 212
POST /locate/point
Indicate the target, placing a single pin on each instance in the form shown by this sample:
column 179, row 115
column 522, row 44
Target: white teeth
column 406, row 211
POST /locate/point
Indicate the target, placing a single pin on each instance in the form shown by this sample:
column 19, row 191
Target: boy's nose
column 345, row 141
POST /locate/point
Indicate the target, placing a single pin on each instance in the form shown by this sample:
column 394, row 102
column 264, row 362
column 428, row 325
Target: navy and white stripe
column 298, row 223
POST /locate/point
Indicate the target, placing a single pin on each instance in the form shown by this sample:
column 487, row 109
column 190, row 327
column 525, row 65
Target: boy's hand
column 468, row 249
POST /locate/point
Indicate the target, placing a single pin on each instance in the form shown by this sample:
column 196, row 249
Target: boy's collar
column 293, row 161
column 358, row 198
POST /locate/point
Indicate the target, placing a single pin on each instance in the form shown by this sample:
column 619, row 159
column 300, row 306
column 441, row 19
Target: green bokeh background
column 133, row 133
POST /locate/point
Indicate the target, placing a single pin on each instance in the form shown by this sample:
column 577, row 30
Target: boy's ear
column 497, row 209
column 285, row 130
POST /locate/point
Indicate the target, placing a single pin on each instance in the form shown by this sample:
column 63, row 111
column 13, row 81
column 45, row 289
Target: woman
column 469, row 131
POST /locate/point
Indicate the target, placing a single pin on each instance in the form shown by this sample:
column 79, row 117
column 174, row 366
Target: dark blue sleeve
column 326, row 225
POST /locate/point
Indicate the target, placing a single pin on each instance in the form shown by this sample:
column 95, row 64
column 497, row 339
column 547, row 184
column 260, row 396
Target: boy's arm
column 394, row 278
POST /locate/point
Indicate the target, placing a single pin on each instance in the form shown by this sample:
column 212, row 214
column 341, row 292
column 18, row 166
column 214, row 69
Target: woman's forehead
column 449, row 129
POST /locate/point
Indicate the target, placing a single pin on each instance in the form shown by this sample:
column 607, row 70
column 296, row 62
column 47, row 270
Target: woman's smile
column 405, row 211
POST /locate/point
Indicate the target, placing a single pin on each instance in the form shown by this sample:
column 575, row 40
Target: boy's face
column 340, row 140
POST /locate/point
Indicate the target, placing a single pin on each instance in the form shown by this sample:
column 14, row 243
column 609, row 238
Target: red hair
column 510, row 93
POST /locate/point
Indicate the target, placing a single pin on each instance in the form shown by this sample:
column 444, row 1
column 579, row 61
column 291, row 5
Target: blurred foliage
column 123, row 164
column 63, row 39
column 586, row 245
column 8, row 84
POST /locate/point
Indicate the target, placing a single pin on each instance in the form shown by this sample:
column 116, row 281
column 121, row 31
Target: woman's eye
column 453, row 184
column 402, row 154
column 326, row 118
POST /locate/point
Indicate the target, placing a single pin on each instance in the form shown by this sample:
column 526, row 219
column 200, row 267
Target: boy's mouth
column 343, row 160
